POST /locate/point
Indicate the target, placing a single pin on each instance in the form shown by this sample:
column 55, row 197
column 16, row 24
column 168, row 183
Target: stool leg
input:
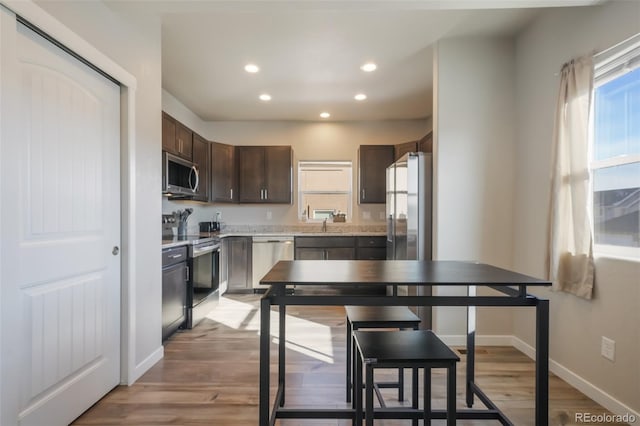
column 414, row 394
column 427, row 396
column 400, row 384
column 354, row 355
column 356, row 389
column 451, row 395
column 368, row 385
column 349, row 380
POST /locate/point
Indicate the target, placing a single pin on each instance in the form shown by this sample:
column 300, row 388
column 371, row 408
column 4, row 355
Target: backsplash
column 272, row 216
column 309, row 227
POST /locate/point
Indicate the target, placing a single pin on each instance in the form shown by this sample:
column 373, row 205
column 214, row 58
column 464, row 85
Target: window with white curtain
column 324, row 189
column 615, row 151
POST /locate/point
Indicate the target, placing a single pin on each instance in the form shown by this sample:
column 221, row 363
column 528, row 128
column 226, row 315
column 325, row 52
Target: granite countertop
column 280, row 231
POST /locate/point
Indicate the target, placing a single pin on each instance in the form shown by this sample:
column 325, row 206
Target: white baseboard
column 145, row 365
column 587, row 388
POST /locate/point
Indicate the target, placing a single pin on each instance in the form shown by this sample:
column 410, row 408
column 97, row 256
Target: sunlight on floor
column 306, row 337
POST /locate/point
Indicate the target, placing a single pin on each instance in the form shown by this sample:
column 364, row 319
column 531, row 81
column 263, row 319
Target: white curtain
column 570, row 261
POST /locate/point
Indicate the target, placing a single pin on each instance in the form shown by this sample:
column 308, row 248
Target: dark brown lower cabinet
column 340, row 248
column 371, row 247
column 325, row 248
column 174, row 289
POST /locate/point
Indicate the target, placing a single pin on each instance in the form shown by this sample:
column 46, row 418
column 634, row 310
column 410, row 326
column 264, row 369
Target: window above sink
column 324, row 190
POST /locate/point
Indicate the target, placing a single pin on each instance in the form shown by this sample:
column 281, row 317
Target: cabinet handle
column 363, row 194
column 231, row 194
column 179, row 145
column 266, row 194
column 176, row 256
column 187, row 269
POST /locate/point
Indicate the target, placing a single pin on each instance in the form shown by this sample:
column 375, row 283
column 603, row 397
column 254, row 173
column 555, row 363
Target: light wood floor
column 209, row 376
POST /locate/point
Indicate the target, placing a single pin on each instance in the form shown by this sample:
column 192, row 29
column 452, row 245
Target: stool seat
column 403, row 349
column 403, row 346
column 372, row 317
column 397, row 316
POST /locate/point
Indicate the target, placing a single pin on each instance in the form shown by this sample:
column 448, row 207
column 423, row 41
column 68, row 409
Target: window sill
column 626, row 254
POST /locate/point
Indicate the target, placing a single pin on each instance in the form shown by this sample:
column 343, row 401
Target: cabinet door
column 310, row 254
column 169, row 134
column 403, row 148
column 184, row 141
column 251, row 174
column 373, row 161
column 426, row 143
column 223, row 173
column 340, row 253
column 201, row 158
column 278, row 174
column 174, row 298
column 239, row 263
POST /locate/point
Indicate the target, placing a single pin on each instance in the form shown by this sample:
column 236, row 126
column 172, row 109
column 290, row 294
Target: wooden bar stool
column 376, row 317
column 408, row 349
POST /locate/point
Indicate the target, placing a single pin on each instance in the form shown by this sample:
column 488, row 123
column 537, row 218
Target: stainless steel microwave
column 179, row 176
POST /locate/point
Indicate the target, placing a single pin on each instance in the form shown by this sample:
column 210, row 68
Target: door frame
column 129, row 371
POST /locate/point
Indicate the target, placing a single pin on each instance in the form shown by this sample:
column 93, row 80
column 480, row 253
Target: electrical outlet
column 269, row 215
column 366, row 215
column 608, row 349
column 381, row 216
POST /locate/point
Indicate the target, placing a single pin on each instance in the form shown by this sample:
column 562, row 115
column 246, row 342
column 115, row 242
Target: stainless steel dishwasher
column 267, row 251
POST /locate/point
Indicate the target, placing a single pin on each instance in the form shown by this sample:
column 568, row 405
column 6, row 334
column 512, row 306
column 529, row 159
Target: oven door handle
column 204, row 250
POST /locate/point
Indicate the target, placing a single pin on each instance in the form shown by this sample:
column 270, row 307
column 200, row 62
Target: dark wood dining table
column 348, row 274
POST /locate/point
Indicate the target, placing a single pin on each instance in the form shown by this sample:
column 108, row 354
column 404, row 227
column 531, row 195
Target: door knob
column 115, row 250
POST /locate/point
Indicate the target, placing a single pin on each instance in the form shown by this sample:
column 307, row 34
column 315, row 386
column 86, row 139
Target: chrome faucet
column 324, row 225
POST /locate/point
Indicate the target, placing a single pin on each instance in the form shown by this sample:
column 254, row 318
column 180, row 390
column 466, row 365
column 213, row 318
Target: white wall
column 473, row 144
column 310, row 141
column 136, row 48
column 576, row 325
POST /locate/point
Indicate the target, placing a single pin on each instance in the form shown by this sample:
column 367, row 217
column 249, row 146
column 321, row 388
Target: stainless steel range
column 203, row 262
column 204, row 279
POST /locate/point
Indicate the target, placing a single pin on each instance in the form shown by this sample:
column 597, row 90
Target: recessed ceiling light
column 252, row 68
column 325, row 115
column 360, row 97
column 265, row 97
column 368, row 67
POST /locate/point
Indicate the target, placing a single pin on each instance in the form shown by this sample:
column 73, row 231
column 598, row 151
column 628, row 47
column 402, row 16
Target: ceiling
column 310, row 52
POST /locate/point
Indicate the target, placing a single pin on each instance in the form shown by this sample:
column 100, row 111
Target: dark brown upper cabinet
column 224, row 173
column 403, row 148
column 373, row 161
column 176, row 138
column 201, row 158
column 426, row 143
column 265, row 174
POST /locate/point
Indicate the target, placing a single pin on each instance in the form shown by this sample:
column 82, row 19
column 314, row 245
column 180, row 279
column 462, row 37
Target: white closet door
column 60, row 222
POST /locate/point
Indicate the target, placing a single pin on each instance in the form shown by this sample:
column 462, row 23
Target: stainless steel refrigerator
column 409, row 212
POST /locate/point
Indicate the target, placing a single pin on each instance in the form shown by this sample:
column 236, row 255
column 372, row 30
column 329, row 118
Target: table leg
column 265, row 312
column 471, row 347
column 542, row 363
column 282, row 339
column 349, row 360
